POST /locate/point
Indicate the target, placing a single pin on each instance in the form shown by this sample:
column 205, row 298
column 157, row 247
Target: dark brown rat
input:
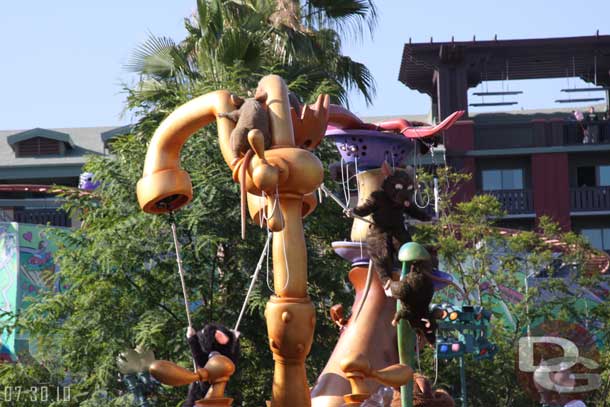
column 415, row 292
column 388, row 206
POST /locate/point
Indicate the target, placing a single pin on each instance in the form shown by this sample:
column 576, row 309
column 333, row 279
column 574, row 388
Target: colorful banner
column 27, row 267
column 9, row 264
column 38, row 270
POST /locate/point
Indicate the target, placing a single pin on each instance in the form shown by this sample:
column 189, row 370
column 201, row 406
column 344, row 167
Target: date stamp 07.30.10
column 41, row 394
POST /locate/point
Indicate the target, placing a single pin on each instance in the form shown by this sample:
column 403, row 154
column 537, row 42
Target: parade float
column 268, row 147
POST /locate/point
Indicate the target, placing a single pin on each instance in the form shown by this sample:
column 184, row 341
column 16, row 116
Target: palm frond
column 155, row 56
column 356, row 75
column 344, row 16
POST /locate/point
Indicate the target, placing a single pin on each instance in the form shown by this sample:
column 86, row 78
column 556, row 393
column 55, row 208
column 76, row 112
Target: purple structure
column 354, row 252
column 370, row 147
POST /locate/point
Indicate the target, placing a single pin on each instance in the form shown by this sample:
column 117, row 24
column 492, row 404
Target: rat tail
column 242, row 189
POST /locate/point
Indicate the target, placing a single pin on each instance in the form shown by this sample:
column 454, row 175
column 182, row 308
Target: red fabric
column 551, row 187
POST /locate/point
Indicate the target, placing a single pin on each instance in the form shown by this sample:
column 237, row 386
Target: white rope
column 267, row 272
column 181, row 273
column 345, row 181
column 436, row 196
column 257, row 270
column 338, row 201
column 275, row 201
column 358, row 191
column 420, row 202
column 286, row 262
column 266, row 217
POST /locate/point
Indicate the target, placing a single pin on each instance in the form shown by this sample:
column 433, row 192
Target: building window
column 585, row 176
column 604, row 175
column 494, row 180
column 599, row 238
column 37, row 146
column 591, row 176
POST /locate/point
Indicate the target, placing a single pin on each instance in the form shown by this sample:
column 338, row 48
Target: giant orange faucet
column 287, row 169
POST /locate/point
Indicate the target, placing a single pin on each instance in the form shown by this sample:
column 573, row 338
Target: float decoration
column 279, row 179
column 216, row 371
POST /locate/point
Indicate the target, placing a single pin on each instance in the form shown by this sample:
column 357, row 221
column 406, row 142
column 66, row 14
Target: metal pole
column 464, row 397
column 406, row 349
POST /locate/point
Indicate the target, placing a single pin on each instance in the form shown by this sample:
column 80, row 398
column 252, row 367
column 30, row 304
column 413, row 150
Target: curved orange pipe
column 164, row 186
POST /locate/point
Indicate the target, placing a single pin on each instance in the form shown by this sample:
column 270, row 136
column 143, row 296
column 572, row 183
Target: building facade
column 548, row 162
column 35, row 159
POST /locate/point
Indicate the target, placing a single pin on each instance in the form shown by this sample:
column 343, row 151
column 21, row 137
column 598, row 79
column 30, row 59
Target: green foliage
column 238, row 42
column 484, row 257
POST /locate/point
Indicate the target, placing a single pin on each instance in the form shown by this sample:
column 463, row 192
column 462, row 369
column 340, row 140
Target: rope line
column 359, row 195
column 257, row 270
column 345, row 180
column 181, row 273
column 338, row 201
column 267, row 247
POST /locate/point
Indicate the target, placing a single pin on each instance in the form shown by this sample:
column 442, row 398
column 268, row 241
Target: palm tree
column 239, row 41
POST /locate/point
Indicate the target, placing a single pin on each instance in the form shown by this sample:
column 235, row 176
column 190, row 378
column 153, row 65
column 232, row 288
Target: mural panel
column 9, row 263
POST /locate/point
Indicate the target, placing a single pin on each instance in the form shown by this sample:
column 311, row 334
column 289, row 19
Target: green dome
column 412, row 252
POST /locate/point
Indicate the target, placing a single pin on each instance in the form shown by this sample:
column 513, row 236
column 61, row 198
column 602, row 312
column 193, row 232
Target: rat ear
column 386, row 170
column 236, row 100
column 410, row 171
column 261, row 97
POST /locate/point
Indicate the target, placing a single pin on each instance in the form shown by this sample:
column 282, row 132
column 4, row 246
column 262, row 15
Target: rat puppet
column 388, row 207
column 212, row 338
column 415, row 293
column 251, row 120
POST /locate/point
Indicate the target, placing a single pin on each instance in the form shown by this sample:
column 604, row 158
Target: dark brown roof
column 524, row 59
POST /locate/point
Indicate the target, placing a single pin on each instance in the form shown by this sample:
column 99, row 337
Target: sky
column 62, row 62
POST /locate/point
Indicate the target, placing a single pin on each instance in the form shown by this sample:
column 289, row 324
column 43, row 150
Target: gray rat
column 250, row 115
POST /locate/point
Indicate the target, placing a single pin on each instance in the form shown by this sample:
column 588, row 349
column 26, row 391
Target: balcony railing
column 595, row 132
column 540, row 133
column 514, row 201
column 589, row 199
column 52, row 217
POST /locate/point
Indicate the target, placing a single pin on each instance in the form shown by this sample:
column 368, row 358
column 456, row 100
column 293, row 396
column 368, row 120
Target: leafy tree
column 241, row 41
column 484, row 257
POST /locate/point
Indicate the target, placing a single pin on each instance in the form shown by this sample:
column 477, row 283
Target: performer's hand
column 349, row 212
column 190, row 332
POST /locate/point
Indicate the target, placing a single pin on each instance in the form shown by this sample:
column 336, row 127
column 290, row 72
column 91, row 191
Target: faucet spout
column 164, row 186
